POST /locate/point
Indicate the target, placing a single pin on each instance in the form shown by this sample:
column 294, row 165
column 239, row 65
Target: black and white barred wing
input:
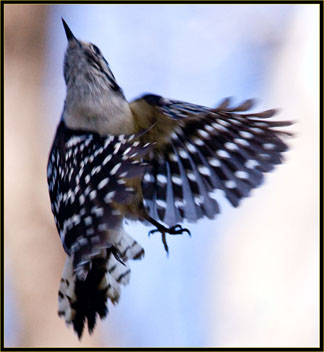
column 210, row 152
column 86, row 177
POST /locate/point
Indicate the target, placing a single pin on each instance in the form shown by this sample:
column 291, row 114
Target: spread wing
column 203, row 153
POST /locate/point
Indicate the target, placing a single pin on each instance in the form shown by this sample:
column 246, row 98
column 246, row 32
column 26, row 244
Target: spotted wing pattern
column 86, row 177
column 212, row 152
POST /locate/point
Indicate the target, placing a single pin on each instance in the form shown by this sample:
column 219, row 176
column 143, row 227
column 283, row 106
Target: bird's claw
column 173, row 230
column 178, row 230
column 153, row 231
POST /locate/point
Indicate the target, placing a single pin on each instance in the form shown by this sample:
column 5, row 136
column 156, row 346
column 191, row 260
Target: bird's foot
column 173, row 230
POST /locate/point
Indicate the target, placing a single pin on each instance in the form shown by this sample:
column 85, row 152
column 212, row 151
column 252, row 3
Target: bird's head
column 94, row 101
column 85, row 65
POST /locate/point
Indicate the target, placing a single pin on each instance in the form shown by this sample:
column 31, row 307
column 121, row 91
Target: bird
column 155, row 160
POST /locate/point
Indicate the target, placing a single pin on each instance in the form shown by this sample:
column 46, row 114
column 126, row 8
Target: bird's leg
column 173, row 230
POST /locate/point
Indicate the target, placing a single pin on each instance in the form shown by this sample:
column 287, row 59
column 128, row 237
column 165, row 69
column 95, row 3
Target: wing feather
column 205, row 153
column 86, row 177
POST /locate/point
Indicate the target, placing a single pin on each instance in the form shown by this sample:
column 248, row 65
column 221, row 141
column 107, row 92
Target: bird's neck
column 104, row 112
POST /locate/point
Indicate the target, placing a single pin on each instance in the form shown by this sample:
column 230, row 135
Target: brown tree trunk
column 33, row 254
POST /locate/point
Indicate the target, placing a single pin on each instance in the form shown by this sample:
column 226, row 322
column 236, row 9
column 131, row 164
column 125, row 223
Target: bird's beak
column 68, row 32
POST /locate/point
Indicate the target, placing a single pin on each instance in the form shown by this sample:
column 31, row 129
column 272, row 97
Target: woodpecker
column 157, row 160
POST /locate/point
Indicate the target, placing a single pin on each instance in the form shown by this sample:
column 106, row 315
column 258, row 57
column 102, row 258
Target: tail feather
column 119, row 271
column 81, row 300
column 90, row 300
column 128, row 247
column 113, row 289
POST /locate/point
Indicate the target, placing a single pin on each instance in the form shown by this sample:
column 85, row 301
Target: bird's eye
column 95, row 49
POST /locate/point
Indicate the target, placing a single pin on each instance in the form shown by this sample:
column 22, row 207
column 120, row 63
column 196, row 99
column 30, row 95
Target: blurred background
column 250, row 278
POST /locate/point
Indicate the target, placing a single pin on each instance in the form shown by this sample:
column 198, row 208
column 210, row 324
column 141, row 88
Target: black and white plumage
column 153, row 160
column 87, row 178
column 210, row 153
